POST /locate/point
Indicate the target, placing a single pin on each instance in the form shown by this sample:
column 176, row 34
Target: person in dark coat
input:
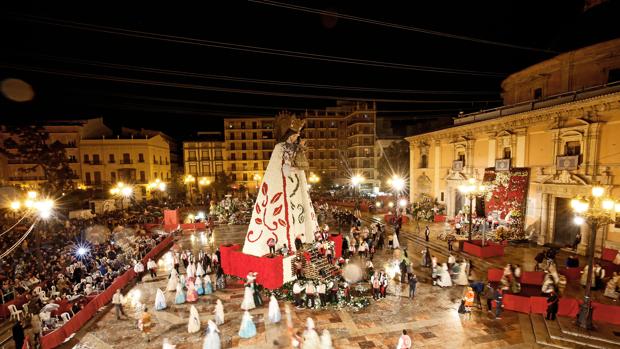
column 345, row 248
column 258, row 301
column 18, row 334
column 552, row 305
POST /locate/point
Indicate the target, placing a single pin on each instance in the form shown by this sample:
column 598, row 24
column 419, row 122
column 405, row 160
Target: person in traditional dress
column 283, row 209
column 219, row 312
column 191, row 271
column 160, row 300
column 145, row 324
column 274, row 310
column 444, row 279
column 548, row 285
column 247, row 329
column 180, row 296
column 468, row 299
column 200, row 272
column 172, row 281
column 258, row 300
column 208, row 286
column 248, row 294
column 395, row 243
column 326, row 340
column 152, row 267
column 612, row 286
column 199, row 286
column 212, row 338
column 192, row 294
column 404, row 341
column 220, row 278
column 310, row 294
column 599, row 275
column 310, row 337
column 193, row 323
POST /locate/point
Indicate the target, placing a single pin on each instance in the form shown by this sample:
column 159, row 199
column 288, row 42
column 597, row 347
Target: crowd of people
column 56, row 271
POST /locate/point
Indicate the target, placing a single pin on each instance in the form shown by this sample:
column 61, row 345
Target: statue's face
column 293, row 138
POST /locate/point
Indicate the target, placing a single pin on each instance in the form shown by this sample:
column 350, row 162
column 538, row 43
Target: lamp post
column 398, row 185
column 157, row 186
column 204, row 182
column 472, row 190
column 257, row 179
column 189, row 180
column 597, row 210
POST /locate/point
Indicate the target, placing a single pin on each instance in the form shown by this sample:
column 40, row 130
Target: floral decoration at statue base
column 426, row 208
column 231, row 211
column 505, row 200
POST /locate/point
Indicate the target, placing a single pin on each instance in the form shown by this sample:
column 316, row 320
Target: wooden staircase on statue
column 319, row 267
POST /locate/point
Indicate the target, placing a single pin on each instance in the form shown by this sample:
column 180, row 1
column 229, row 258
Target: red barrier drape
column 171, row 217
column 608, row 254
column 571, row 274
column 532, row 277
column 270, row 272
column 494, row 274
column 568, row 307
column 337, row 239
column 489, row 250
column 606, row 313
column 538, row 305
column 58, row 336
column 517, row 303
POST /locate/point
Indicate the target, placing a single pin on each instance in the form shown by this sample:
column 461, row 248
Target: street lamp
column 204, row 182
column 157, row 185
column 472, row 190
column 256, row 178
column 597, row 210
column 189, row 180
column 357, row 181
column 122, row 191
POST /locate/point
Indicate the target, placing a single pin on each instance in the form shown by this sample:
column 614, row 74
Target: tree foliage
column 31, row 145
column 395, row 160
column 222, row 184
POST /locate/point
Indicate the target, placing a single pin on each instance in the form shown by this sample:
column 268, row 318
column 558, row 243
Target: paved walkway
column 431, row 317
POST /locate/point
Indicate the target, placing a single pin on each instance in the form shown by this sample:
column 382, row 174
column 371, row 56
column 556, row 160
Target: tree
column 394, row 160
column 221, row 184
column 31, row 145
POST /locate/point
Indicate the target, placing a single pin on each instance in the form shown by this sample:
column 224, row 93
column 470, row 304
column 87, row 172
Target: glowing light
column 578, row 220
column 398, row 183
column 191, row 216
column 617, row 208
column 390, row 204
column 201, row 215
column 193, row 238
column 608, row 204
column 314, row 178
column 32, row 195
column 126, row 191
column 114, row 191
column 402, row 202
column 257, row 177
column 357, row 179
column 162, row 186
column 189, row 179
column 574, row 203
column 378, row 203
column 81, row 249
column 16, row 205
column 45, row 214
column 204, row 181
column 582, row 207
column 597, row 192
column 471, row 180
column 29, row 203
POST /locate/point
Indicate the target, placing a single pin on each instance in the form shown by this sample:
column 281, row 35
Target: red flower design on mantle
column 272, row 214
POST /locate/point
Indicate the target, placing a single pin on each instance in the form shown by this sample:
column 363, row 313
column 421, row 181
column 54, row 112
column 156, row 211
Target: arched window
column 423, row 161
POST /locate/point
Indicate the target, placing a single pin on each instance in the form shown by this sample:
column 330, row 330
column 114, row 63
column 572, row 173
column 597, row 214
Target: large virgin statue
column 283, row 209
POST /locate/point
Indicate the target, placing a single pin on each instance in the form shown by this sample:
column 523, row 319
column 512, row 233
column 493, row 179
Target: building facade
column 70, row 133
column 137, row 161
column 204, row 155
column 560, row 124
column 248, row 143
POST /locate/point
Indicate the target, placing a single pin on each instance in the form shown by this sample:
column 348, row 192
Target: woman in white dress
column 326, row 340
column 444, row 276
column 193, row 324
column 311, row 339
column 283, row 208
column 200, row 272
column 172, row 281
column 191, row 271
column 219, row 313
column 160, row 300
column 212, row 339
column 395, row 243
column 461, row 278
column 248, row 294
column 274, row 310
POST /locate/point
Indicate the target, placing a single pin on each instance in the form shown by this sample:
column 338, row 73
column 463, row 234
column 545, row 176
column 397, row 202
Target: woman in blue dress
column 199, row 287
column 248, row 329
column 180, row 296
column 208, row 285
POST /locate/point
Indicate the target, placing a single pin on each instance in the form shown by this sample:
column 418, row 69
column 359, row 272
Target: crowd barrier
column 270, row 270
column 568, row 307
column 171, row 227
column 475, row 248
column 58, row 336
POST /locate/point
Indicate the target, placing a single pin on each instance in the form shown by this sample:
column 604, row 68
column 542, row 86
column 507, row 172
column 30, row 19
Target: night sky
column 157, row 66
